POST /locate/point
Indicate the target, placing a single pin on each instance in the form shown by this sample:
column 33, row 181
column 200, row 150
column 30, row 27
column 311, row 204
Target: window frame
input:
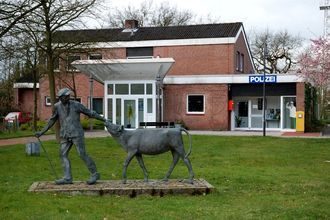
column 69, row 67
column 241, row 62
column 47, row 101
column 147, row 54
column 195, row 112
column 95, row 54
column 238, row 57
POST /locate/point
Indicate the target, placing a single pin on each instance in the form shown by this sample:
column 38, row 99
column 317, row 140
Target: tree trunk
column 35, row 100
column 50, row 72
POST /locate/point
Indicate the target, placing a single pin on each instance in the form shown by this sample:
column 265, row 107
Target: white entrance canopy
column 125, row 69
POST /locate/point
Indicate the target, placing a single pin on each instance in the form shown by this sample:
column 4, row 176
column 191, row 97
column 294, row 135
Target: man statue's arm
column 50, row 124
column 90, row 113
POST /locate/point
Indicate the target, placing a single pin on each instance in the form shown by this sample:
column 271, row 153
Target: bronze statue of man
column 67, row 112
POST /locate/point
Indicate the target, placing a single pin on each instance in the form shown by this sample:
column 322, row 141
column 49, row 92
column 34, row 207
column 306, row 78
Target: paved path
column 95, row 134
column 24, row 140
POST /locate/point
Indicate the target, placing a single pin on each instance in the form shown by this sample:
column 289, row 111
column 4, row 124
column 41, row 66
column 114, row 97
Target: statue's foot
column 95, row 177
column 63, row 181
column 146, row 180
column 165, row 179
column 190, row 181
column 123, row 181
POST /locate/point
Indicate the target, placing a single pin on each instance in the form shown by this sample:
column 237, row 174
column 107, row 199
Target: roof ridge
column 171, row 26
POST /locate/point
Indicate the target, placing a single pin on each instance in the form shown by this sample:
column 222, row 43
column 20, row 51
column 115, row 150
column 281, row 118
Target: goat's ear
column 120, row 128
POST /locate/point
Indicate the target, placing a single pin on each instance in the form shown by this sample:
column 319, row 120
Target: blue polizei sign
column 260, row 79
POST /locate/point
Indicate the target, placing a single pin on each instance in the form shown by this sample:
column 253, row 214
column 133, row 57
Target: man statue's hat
column 64, row 92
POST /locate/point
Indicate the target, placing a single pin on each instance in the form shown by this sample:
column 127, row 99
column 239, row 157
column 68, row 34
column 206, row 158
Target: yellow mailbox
column 300, row 121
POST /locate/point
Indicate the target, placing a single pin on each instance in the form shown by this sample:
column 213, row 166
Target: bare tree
column 149, row 14
column 41, row 25
column 52, row 16
column 13, row 11
column 281, row 48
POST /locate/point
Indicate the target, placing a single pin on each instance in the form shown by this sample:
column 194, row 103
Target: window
column 98, row 105
column 149, row 88
column 139, row 52
column 47, row 101
column 241, row 67
column 137, row 89
column 149, row 105
column 239, row 61
column 243, row 109
column 195, row 104
column 110, row 89
column 95, row 56
column 121, row 89
column 70, row 59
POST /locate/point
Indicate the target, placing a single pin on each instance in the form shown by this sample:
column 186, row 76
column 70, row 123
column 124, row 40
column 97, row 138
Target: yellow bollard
column 300, row 121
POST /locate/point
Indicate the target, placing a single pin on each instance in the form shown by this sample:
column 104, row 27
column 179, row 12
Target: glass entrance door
column 242, row 116
column 256, row 112
column 288, row 112
column 129, row 114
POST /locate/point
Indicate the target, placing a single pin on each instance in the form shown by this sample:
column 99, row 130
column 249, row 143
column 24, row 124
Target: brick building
column 189, row 74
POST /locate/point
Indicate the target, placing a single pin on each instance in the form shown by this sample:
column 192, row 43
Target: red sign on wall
column 230, row 105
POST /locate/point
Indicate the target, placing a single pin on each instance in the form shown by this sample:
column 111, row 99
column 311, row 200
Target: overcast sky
column 301, row 17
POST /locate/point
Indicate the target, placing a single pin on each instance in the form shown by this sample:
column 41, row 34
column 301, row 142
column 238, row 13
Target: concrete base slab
column 132, row 188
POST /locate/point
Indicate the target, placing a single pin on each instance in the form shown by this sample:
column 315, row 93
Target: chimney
column 131, row 24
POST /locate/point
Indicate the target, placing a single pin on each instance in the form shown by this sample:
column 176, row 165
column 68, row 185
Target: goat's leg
column 128, row 159
column 141, row 163
column 175, row 156
column 188, row 164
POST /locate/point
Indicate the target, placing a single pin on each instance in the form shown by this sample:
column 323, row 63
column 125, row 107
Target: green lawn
column 18, row 134
column 255, row 178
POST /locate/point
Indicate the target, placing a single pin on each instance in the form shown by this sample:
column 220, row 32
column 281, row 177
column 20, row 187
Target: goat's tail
column 190, row 142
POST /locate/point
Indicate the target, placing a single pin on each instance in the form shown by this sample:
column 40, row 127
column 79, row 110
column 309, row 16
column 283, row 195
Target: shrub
column 97, row 124
column 25, row 127
column 41, row 125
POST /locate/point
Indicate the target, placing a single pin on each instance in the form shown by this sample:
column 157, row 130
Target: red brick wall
column 216, row 99
column 198, row 59
column 82, row 88
column 300, row 93
column 241, row 47
column 24, row 100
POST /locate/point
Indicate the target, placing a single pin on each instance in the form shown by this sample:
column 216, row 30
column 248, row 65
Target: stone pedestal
column 132, row 188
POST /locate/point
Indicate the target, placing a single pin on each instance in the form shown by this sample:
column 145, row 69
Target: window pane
column 243, row 109
column 137, row 89
column 289, row 112
column 70, row 59
column 195, row 103
column 95, row 56
column 242, row 63
column 118, row 111
column 141, row 110
column 110, row 110
column 237, row 60
column 149, row 88
column 121, row 89
column 140, row 51
column 110, row 89
column 98, row 105
column 129, row 113
column 149, row 105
